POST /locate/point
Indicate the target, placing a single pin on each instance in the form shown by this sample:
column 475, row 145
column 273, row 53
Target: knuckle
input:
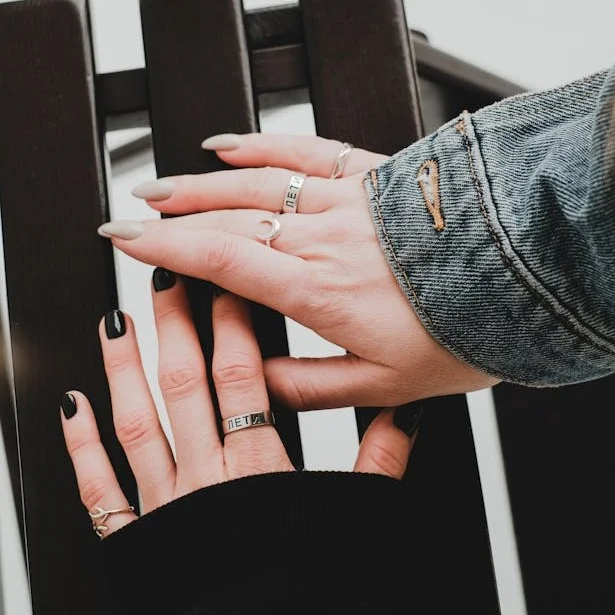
column 305, row 156
column 297, row 393
column 260, row 181
column 222, row 254
column 170, row 312
column 237, row 371
column 136, row 428
column 326, row 294
column 307, row 299
column 76, row 444
column 179, row 381
column 261, row 453
column 93, row 492
column 117, row 363
column 384, row 460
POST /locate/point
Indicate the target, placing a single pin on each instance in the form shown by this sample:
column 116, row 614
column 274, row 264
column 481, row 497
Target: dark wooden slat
column 60, row 281
column 199, row 85
column 275, row 41
column 372, row 101
column 558, row 453
column 378, row 88
column 274, row 26
column 279, row 68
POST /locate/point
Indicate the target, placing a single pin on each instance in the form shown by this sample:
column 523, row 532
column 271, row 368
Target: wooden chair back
column 207, row 63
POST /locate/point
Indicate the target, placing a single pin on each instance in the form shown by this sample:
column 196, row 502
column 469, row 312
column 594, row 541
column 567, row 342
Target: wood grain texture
column 60, row 281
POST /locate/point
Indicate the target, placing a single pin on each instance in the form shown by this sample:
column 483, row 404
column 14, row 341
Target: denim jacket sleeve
column 500, row 229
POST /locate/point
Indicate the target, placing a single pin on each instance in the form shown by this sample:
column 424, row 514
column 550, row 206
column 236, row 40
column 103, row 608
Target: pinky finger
column 386, row 446
column 98, row 486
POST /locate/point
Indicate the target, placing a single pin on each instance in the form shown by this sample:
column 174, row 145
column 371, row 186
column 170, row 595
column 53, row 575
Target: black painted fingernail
column 163, row 279
column 115, row 324
column 407, row 418
column 218, row 291
column 69, row 405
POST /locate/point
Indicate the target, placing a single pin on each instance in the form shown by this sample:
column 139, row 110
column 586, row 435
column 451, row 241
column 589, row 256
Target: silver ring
column 273, row 232
column 99, row 517
column 340, row 163
column 292, row 194
column 245, row 421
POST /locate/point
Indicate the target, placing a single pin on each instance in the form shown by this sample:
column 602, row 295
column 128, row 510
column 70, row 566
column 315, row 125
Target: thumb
column 388, row 442
column 329, row 382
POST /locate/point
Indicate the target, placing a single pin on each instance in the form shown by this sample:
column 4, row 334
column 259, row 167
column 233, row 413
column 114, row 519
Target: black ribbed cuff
column 283, row 533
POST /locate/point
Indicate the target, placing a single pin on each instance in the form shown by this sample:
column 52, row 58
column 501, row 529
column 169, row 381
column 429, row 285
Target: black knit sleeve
column 296, row 542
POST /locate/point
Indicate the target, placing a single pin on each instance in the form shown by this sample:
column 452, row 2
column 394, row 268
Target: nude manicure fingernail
column 222, row 143
column 156, row 190
column 122, row 229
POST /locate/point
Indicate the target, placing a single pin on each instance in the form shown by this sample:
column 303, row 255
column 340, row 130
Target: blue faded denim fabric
column 500, row 229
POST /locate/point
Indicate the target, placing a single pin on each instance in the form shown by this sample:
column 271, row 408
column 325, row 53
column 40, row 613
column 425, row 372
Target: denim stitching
column 460, row 126
column 428, row 179
column 502, row 375
column 374, row 178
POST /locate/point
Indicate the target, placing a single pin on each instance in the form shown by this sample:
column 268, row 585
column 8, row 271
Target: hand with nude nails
column 322, row 266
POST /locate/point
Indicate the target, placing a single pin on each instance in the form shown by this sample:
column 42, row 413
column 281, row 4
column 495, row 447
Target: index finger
column 387, row 443
column 242, row 266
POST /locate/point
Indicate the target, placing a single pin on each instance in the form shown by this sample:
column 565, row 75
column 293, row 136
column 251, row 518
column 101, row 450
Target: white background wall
column 538, row 44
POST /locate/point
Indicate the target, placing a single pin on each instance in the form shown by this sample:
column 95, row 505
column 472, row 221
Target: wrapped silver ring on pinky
column 99, row 517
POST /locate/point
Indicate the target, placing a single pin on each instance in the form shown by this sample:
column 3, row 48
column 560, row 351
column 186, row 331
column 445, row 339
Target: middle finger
column 182, row 376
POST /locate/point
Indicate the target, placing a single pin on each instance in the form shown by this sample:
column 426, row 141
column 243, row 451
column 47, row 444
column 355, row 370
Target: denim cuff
column 442, row 235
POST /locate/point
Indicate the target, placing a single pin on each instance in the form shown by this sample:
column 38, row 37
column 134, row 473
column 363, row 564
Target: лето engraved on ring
column 291, row 198
column 238, row 422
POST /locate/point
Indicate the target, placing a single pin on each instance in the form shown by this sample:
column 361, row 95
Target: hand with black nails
column 198, row 457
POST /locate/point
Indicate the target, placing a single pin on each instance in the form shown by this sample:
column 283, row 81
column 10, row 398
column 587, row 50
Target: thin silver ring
column 273, row 232
column 291, row 198
column 342, row 159
column 258, row 418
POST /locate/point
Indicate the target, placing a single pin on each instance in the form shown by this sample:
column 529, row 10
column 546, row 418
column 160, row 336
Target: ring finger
column 298, row 235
